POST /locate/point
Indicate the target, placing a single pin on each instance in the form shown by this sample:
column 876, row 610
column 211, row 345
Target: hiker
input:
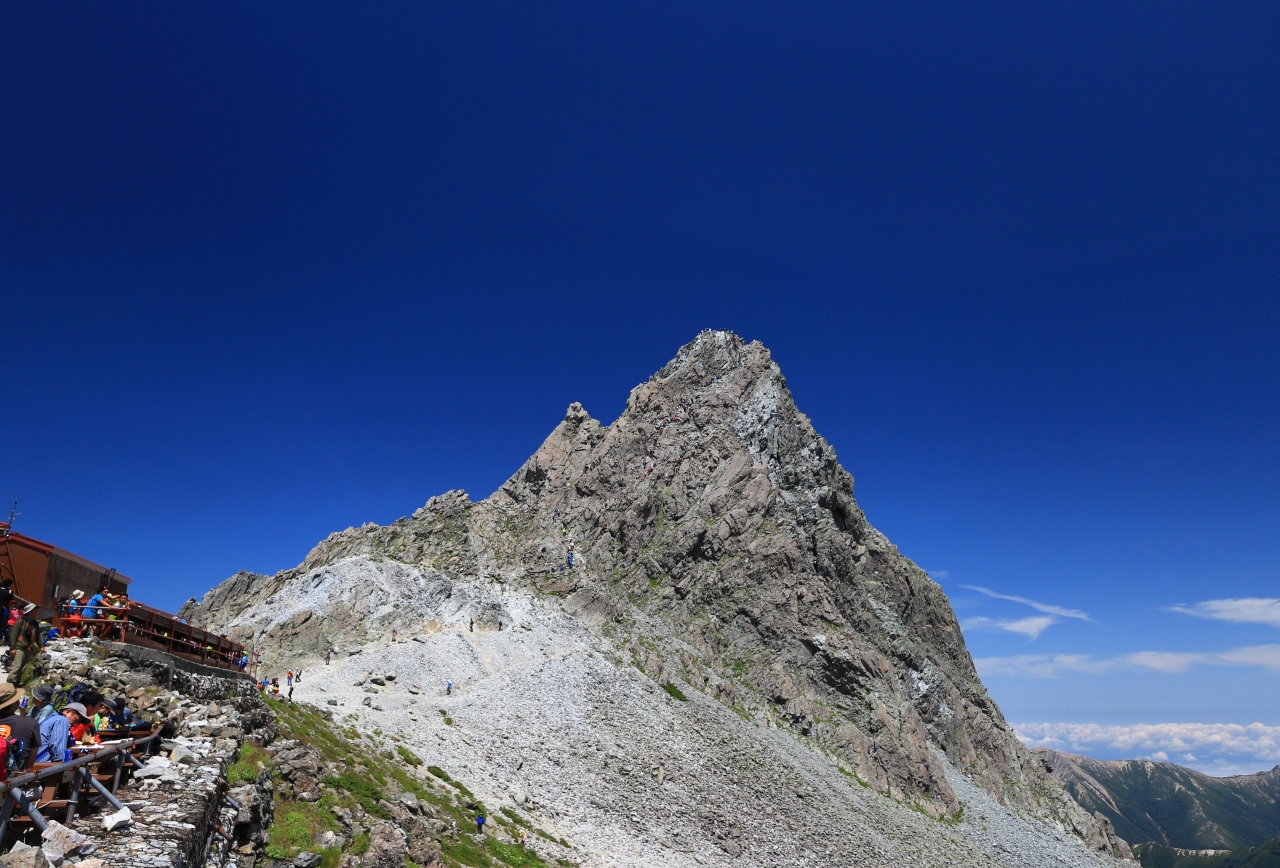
column 479, row 824
column 290, row 697
column 448, row 688
column 19, row 726
column 74, row 612
column 90, row 610
column 55, row 735
column 471, row 625
column 96, row 704
column 297, row 677
column 394, row 634
column 118, row 714
column 499, row 626
column 288, row 678
column 81, row 729
column 522, row 839
column 24, row 639
column 81, row 723
column 6, row 600
column 275, row 686
column 328, row 657
column 41, row 704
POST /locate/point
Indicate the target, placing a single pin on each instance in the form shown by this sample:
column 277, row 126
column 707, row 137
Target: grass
column 409, row 756
column 249, row 762
column 299, row 824
column 513, row 854
column 675, row 692
column 365, row 791
column 374, row 773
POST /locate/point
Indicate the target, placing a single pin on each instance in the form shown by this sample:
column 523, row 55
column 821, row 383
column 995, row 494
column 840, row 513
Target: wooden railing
column 142, row 625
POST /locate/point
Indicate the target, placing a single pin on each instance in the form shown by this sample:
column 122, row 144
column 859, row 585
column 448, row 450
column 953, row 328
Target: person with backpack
column 479, row 824
column 24, row 640
column 19, row 734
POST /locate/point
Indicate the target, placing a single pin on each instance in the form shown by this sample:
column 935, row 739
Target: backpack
column 11, row 750
column 75, row 693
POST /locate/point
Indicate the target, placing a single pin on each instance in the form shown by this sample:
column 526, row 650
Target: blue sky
column 269, row 272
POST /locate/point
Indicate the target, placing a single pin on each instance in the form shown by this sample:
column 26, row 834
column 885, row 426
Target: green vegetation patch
column 365, row 791
column 675, row 692
column 409, row 756
column 298, row 824
column 249, row 762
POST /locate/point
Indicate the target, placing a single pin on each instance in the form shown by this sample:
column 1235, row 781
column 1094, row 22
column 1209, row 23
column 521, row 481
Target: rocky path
column 543, row 718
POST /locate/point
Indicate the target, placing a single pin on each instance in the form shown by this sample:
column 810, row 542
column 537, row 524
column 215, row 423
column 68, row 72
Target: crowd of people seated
column 84, row 617
column 49, row 724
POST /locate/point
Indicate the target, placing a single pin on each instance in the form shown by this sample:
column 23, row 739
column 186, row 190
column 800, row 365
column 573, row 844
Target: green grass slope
column 378, row 771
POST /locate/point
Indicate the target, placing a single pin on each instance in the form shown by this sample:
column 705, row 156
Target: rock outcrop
column 716, row 542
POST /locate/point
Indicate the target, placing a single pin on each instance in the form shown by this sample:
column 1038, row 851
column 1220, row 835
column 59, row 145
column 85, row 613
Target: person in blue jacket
column 91, row 605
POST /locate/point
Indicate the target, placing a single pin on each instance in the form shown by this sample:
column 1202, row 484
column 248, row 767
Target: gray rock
column 388, row 847
column 410, row 801
column 307, row 860
column 113, row 821
column 22, row 856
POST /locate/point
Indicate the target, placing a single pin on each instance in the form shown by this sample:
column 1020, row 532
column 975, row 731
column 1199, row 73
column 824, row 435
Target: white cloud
column 1041, row 665
column 1168, row 662
column 1039, row 607
column 1165, row 661
column 1216, row 748
column 1030, row 627
column 1245, row 610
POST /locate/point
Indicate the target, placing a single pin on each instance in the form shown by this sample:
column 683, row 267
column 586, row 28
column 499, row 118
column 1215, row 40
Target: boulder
column 27, row 857
column 388, row 847
column 122, row 817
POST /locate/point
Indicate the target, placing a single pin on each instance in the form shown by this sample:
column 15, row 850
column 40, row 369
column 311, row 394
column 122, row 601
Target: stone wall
column 175, row 803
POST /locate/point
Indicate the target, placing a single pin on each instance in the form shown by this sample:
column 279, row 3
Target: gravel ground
column 544, row 720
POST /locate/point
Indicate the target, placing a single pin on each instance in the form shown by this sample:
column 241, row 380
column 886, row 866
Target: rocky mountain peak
column 716, row 544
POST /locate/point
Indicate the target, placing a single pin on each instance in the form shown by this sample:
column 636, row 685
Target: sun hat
column 77, row 594
column 43, row 693
column 9, row 695
column 77, row 708
column 29, row 608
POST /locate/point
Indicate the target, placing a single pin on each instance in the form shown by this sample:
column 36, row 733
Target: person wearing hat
column 118, row 714
column 41, row 703
column 55, row 733
column 19, row 726
column 24, row 639
column 73, row 616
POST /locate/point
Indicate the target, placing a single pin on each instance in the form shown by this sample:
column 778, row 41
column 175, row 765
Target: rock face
column 1167, row 804
column 716, row 542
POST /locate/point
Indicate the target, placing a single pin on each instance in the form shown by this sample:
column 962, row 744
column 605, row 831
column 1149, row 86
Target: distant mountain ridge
column 1171, row 805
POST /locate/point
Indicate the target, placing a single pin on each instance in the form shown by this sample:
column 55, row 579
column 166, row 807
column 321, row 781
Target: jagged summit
column 717, row 544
